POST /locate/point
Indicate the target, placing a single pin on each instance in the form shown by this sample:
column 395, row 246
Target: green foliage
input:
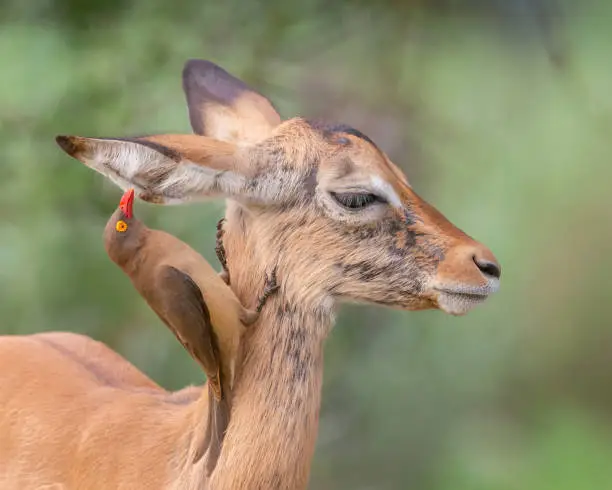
column 567, row 450
column 511, row 146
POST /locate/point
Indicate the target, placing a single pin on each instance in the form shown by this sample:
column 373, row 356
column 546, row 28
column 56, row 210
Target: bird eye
column 121, row 226
column 356, row 200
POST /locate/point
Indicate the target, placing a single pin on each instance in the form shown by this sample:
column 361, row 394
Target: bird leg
column 220, row 250
column 271, row 286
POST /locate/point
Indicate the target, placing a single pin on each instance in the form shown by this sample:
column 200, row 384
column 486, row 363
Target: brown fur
column 280, row 180
column 193, row 301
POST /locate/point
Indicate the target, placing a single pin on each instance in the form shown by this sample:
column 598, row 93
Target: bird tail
column 218, row 420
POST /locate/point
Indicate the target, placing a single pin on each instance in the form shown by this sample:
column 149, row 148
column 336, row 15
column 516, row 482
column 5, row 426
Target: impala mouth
column 458, row 300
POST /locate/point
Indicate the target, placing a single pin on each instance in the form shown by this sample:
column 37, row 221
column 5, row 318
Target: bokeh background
column 499, row 111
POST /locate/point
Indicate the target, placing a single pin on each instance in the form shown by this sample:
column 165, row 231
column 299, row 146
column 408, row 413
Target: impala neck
column 277, row 395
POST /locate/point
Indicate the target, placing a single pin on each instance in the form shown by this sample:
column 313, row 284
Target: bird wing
column 182, row 307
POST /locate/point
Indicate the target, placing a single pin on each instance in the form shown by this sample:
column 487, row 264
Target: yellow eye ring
column 121, row 226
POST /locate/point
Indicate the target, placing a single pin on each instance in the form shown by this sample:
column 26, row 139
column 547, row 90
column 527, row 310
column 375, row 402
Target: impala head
column 323, row 202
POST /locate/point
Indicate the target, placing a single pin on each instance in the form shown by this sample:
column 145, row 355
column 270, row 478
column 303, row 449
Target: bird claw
column 220, row 250
column 270, row 287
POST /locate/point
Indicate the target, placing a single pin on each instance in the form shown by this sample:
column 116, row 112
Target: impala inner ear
column 164, row 169
column 223, row 107
column 175, row 168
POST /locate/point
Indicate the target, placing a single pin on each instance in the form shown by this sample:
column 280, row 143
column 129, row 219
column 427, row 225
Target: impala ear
column 173, row 169
column 225, row 108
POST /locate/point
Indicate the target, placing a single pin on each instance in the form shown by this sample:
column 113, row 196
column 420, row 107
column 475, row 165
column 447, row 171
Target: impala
column 319, row 202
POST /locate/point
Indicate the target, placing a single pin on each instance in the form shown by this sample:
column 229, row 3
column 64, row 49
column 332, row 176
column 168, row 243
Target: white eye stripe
column 386, row 190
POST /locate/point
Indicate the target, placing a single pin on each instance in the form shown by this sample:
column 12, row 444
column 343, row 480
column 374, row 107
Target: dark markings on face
column 405, row 248
column 367, row 271
column 329, row 130
column 431, row 249
column 310, row 181
column 409, row 217
column 386, row 228
column 399, row 238
column 343, row 128
column 403, row 242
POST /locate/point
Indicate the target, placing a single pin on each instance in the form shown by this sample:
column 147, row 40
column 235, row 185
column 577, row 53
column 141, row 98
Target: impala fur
column 321, row 203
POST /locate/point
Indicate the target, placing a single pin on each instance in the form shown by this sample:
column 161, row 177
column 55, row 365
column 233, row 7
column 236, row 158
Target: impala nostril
column 487, row 267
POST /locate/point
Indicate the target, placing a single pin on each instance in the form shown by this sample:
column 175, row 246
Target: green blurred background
column 500, row 112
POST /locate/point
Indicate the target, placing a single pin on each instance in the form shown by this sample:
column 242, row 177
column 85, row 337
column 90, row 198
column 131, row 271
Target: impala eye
column 356, row 200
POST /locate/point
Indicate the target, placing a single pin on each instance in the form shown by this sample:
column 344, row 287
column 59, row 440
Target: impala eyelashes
column 356, row 200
